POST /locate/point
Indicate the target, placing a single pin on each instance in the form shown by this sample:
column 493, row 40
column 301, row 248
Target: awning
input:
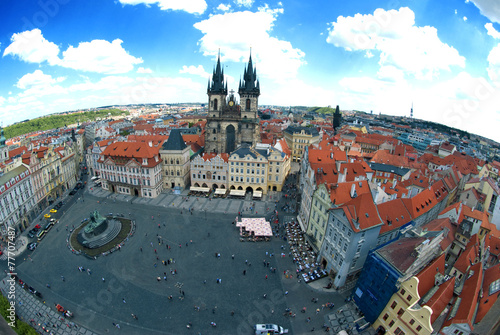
column 199, row 189
column 257, row 194
column 220, row 191
column 239, row 193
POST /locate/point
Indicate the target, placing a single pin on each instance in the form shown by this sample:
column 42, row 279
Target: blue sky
column 442, row 56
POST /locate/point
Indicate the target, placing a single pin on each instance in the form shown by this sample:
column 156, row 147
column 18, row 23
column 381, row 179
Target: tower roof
column 217, row 85
column 250, row 83
column 175, row 141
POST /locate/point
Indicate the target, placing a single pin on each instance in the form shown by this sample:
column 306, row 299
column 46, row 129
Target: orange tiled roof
column 132, row 150
column 384, row 157
column 441, row 298
column 362, row 212
column 468, row 301
column 486, row 303
column 393, row 214
column 427, row 276
column 421, row 203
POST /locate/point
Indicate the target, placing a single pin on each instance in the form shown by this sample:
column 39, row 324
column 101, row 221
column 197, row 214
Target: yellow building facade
column 298, row 138
column 402, row 315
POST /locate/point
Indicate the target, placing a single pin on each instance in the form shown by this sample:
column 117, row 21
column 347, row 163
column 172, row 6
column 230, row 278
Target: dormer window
column 144, row 161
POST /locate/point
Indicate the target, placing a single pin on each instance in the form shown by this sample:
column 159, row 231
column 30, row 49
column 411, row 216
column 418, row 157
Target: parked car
column 265, row 329
column 32, row 246
column 31, row 235
column 73, row 192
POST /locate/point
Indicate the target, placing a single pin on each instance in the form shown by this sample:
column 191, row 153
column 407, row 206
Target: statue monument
column 98, row 231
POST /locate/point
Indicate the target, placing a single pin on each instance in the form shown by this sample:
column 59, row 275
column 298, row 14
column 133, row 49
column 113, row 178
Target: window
column 408, row 297
column 412, row 321
column 403, row 291
column 398, row 331
column 394, row 304
column 401, row 312
column 386, row 316
column 419, row 328
column 391, row 323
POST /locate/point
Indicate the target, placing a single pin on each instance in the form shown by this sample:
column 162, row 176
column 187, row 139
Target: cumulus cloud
column 195, row 70
column 144, row 70
column 189, row 6
column 492, row 31
column 465, row 18
column 489, row 8
column 95, row 56
column 494, row 64
column 276, row 59
column 224, row 7
column 37, row 78
column 415, row 50
column 30, row 46
column 244, row 3
column 99, row 56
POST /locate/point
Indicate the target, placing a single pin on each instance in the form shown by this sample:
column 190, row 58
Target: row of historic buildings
column 34, row 174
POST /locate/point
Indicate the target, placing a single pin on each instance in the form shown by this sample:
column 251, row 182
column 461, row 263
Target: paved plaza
column 200, row 287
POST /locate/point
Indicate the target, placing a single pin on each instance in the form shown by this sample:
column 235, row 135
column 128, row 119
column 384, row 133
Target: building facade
column 210, row 170
column 298, row 138
column 132, row 168
column 17, row 201
column 176, row 162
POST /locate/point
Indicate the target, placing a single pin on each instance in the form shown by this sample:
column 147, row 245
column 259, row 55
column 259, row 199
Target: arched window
column 215, row 104
column 178, row 173
column 215, row 131
column 177, row 162
column 171, row 161
column 247, row 105
column 166, row 173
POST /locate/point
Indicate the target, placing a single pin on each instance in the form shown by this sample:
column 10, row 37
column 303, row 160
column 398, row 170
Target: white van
column 265, row 329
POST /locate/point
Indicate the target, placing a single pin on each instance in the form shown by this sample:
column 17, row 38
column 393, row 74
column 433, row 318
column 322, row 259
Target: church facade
column 229, row 123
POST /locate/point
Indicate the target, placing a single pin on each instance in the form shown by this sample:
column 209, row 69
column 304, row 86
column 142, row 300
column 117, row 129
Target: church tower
column 217, row 91
column 230, row 124
column 249, row 91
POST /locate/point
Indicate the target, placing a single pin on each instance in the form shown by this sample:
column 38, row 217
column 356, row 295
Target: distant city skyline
column 442, row 57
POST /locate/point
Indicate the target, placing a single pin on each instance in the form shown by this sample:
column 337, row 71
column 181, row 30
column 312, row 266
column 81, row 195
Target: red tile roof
column 401, row 253
column 426, row 277
column 122, row 152
column 441, row 298
column 341, row 193
column 362, row 212
column 486, row 303
column 385, row 157
column 393, row 214
column 421, row 203
column 469, row 296
column 18, row 151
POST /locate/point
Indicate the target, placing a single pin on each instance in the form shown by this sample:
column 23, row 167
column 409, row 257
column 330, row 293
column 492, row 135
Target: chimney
column 353, row 190
column 150, row 144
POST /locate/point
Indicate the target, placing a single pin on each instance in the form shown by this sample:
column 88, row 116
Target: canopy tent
column 240, row 193
column 220, row 191
column 257, row 194
column 259, row 226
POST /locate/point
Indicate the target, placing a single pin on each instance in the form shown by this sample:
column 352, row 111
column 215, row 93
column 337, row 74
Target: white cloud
column 390, row 73
column 415, row 50
column 489, row 8
column 244, row 3
column 492, row 31
column 494, row 64
column 195, row 70
column 465, row 18
column 2, row 100
column 99, row 56
column 144, row 70
column 224, row 7
column 190, row 6
column 37, row 78
column 30, row 46
column 276, row 59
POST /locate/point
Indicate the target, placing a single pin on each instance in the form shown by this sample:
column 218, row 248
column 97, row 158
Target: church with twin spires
column 231, row 123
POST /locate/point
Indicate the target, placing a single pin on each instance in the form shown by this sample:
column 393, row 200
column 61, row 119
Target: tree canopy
column 58, row 121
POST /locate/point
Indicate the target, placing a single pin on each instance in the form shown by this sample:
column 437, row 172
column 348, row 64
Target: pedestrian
column 266, row 276
column 124, row 301
column 103, row 280
column 244, row 272
column 232, row 256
